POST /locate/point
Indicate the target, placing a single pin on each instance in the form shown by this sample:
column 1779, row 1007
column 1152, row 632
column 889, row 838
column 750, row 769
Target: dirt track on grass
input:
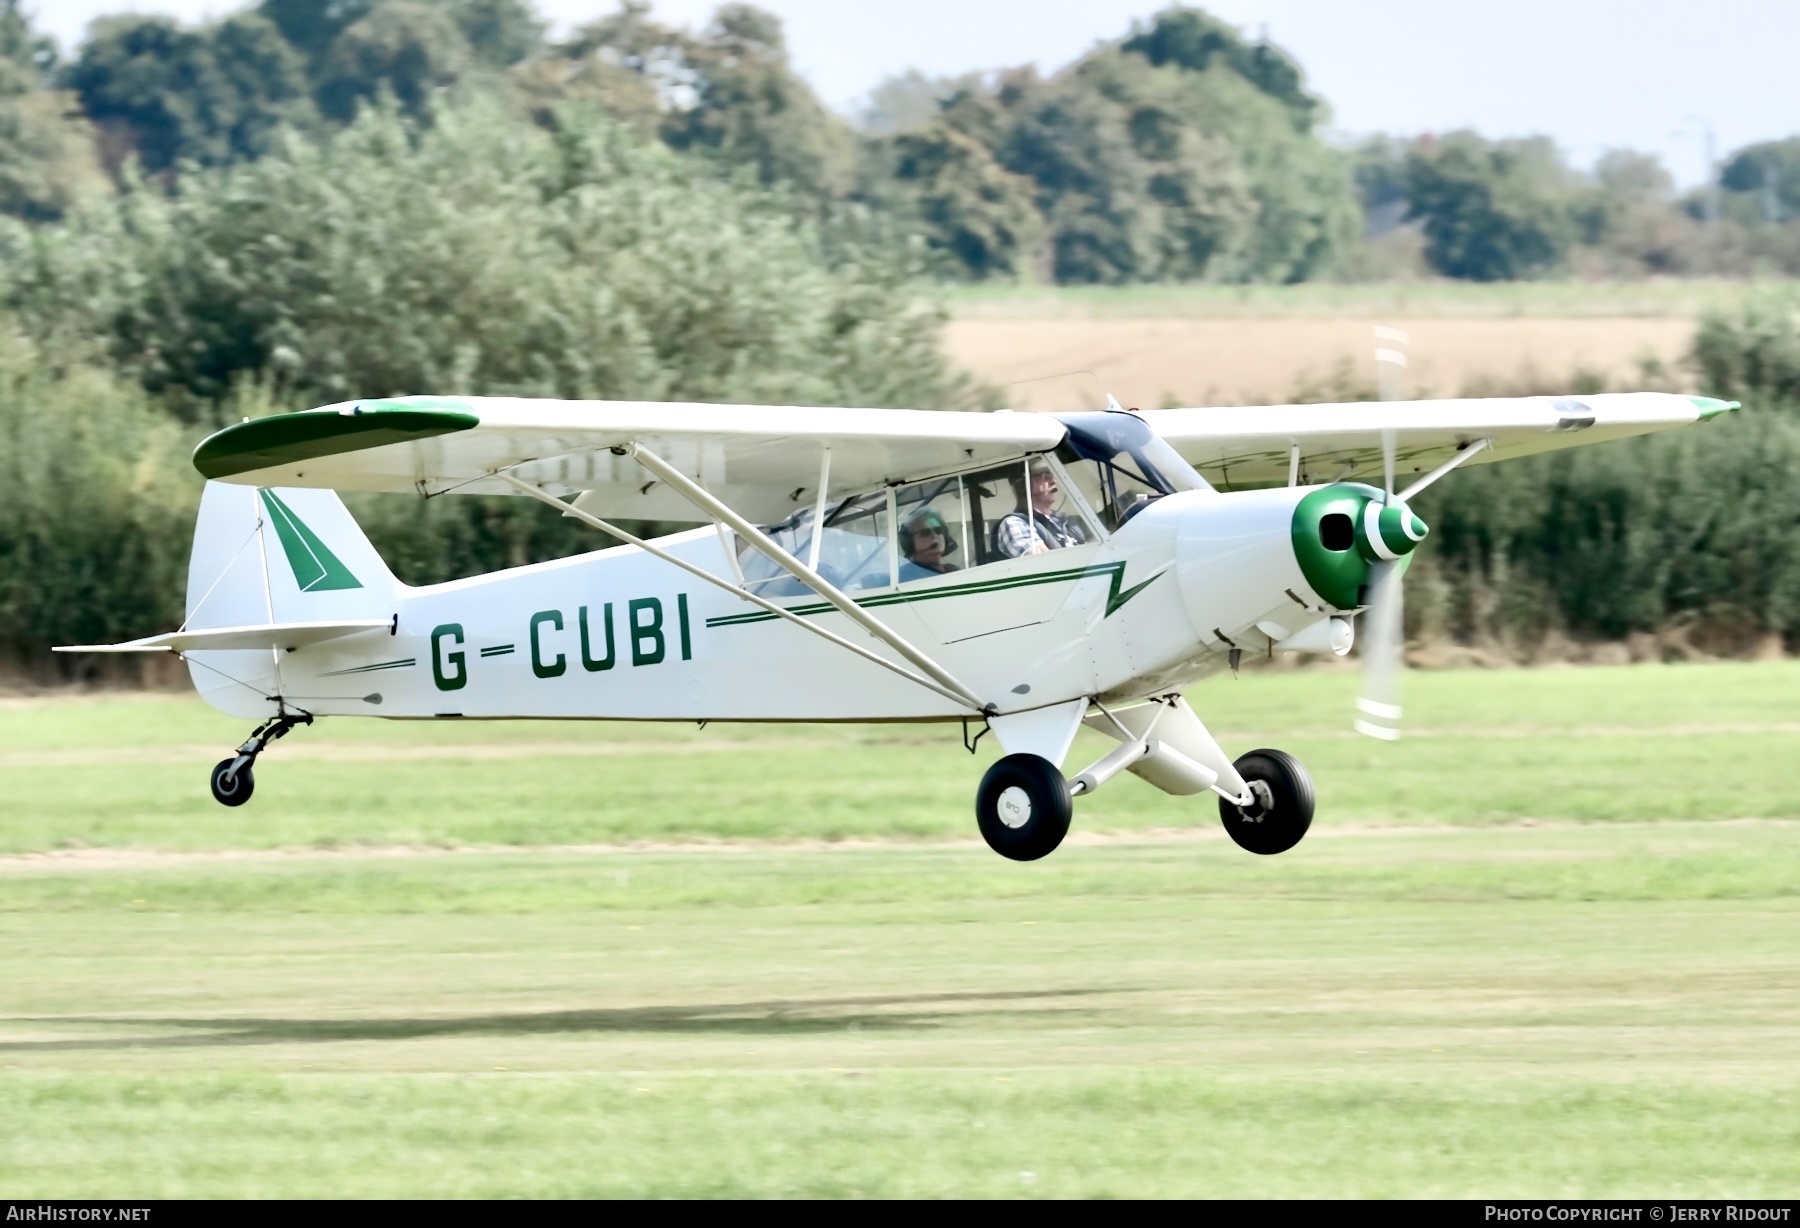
column 353, row 752
column 1145, row 362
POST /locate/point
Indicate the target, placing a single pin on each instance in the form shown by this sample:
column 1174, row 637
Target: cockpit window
column 853, row 550
column 1121, row 466
column 960, row 521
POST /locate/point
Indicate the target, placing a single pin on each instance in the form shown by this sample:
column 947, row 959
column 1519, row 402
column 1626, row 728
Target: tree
column 48, row 159
column 1771, row 170
column 728, row 93
column 905, row 101
column 312, row 26
column 1194, row 40
column 1182, row 152
column 409, row 48
column 165, row 94
column 625, row 65
column 1492, row 210
column 500, row 33
column 1075, row 147
column 482, row 256
column 752, row 108
column 967, row 205
column 264, row 89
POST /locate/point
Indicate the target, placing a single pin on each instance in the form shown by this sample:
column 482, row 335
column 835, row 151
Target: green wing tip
column 1712, row 407
column 286, row 439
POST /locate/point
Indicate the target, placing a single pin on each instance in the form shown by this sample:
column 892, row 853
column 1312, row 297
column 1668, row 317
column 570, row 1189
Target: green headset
column 930, row 519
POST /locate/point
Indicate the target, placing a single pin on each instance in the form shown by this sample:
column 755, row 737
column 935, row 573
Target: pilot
column 924, row 541
column 1045, row 529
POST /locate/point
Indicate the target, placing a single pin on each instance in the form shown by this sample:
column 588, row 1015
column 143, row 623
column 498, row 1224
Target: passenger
column 1044, row 529
column 924, row 541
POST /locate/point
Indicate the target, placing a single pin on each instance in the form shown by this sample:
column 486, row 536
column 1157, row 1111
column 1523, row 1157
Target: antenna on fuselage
column 1064, row 392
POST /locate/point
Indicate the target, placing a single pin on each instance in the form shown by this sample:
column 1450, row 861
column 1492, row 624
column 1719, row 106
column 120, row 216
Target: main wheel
column 1023, row 807
column 1284, row 803
column 230, row 790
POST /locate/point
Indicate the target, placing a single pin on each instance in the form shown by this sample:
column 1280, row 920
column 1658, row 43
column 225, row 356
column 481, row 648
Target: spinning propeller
column 1384, row 649
column 1386, row 536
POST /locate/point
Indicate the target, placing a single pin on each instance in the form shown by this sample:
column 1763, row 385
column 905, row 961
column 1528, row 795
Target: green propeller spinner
column 1341, row 531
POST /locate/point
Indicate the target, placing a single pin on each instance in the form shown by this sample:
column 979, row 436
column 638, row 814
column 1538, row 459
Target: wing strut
column 703, row 499
column 1461, row 456
column 569, row 509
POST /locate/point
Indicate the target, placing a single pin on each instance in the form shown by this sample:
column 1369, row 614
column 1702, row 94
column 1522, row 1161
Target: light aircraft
column 1027, row 572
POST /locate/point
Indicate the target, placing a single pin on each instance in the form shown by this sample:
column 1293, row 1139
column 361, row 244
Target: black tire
column 1023, row 807
column 1279, row 826
column 236, row 790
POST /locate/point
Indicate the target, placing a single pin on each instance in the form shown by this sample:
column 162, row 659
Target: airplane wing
column 1254, row 446
column 762, row 460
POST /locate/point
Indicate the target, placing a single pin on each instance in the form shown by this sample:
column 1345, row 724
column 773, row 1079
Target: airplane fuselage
column 622, row 634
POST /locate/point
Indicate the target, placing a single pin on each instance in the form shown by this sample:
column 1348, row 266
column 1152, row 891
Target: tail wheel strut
column 234, row 779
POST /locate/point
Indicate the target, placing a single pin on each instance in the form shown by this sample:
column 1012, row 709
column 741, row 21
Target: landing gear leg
column 1281, row 808
column 234, row 779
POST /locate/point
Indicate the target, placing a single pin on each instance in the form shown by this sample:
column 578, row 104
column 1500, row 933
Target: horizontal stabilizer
column 267, row 635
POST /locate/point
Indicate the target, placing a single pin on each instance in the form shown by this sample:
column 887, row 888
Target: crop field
column 1548, row 945
column 1227, row 345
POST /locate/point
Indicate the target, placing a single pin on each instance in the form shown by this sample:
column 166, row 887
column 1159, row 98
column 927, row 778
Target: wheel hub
column 1262, row 800
column 1014, row 806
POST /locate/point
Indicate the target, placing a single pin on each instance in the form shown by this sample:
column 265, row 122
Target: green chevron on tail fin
column 316, row 568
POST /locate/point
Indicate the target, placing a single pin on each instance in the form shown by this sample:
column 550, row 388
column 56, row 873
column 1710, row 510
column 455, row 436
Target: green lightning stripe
column 369, row 669
column 316, row 568
column 1116, row 596
column 1116, row 599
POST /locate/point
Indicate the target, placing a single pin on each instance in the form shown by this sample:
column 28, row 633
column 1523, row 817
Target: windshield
column 1121, row 465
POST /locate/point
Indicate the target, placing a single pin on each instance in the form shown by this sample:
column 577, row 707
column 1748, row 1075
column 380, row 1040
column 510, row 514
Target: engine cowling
column 1340, row 531
column 1283, row 558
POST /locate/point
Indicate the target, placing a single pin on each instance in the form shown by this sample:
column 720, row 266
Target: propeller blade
column 1387, row 463
column 1378, row 706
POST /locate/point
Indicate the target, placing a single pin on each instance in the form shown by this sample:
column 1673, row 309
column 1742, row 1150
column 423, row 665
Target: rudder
column 274, row 556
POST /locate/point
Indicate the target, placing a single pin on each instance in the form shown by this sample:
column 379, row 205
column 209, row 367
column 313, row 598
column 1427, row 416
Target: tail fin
column 274, row 556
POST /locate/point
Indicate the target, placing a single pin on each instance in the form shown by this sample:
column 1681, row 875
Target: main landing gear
column 1025, row 804
column 1282, row 805
column 234, row 779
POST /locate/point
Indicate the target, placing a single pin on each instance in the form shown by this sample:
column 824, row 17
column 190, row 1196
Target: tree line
column 1180, row 151
column 1695, row 531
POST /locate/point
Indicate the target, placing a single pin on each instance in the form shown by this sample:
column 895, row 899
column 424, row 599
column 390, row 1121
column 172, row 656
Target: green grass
column 1400, row 1014
column 1099, row 1133
column 1554, row 300
column 1431, row 995
column 1632, row 743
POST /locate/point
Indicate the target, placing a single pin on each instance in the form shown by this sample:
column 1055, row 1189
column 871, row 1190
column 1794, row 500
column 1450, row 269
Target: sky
column 1654, row 75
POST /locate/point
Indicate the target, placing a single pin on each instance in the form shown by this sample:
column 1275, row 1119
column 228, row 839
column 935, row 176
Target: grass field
column 1230, row 345
column 1548, row 946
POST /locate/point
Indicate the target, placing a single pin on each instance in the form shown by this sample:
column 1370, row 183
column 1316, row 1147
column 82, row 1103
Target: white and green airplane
column 1029, row 572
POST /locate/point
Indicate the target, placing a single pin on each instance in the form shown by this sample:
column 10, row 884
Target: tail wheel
column 1023, row 807
column 232, row 788
column 1283, row 806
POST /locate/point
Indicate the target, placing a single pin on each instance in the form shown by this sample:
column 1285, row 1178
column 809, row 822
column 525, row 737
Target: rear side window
column 853, row 549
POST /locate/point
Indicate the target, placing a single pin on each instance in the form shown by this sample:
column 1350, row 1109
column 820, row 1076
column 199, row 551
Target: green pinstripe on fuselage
column 1116, row 597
